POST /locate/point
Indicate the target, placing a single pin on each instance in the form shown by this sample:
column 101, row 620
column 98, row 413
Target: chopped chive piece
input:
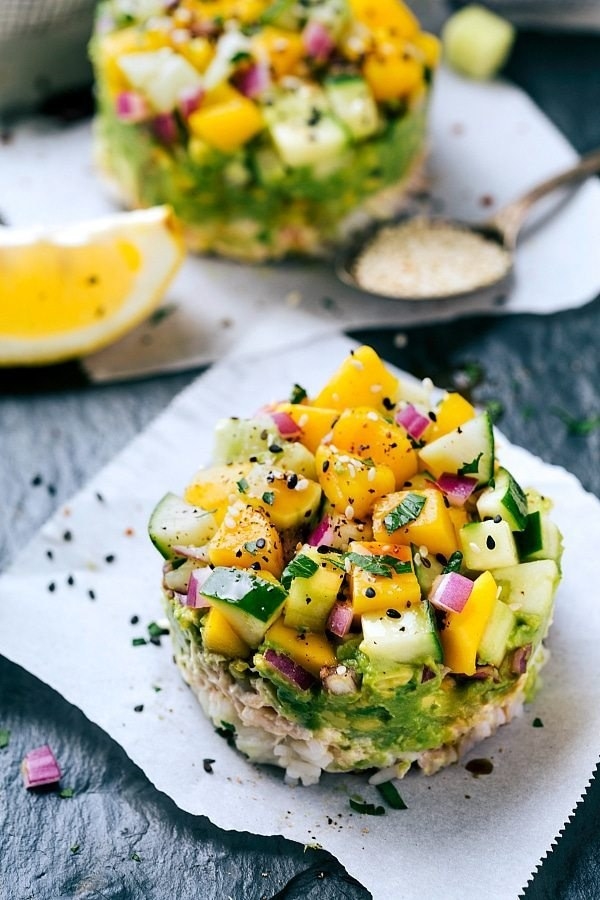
column 367, row 809
column 155, row 630
column 391, row 795
column 405, row 512
column 138, row 642
column 242, row 485
column 66, row 793
column 268, row 497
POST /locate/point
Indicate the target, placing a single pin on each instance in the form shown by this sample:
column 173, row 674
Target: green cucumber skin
column 459, row 449
column 244, row 590
column 506, row 499
column 173, row 521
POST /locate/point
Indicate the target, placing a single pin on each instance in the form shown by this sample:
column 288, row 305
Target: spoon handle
column 509, row 219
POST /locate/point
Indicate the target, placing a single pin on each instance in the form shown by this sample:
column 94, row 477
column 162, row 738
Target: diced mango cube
column 246, row 538
column 281, row 49
column 452, row 412
column 373, row 593
column 459, row 517
column 351, row 485
column 390, row 14
column 462, row 632
column 310, row 650
column 287, row 500
column 314, row 421
column 216, row 488
column 430, row 46
column 364, row 433
column 219, row 637
column 432, row 527
column 227, row 126
column 361, row 380
column 199, row 51
column 392, row 77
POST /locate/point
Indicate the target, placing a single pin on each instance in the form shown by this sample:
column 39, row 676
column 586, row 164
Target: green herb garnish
column 379, row 565
column 471, row 467
column 4, row 738
column 578, row 427
column 242, row 485
column 135, row 857
column 391, row 795
column 75, row 848
column 268, row 498
column 300, row 567
column 405, row 512
column 454, row 563
column 155, row 630
column 66, row 793
column 298, row 394
column 367, row 809
column 138, row 642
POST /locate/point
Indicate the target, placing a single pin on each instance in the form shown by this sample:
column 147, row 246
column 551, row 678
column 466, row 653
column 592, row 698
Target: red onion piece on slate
column 413, row 422
column 164, row 127
column 317, row 40
column 286, row 426
column 457, row 488
column 322, row 535
column 131, row 107
column 190, row 100
column 289, row 669
column 451, row 592
column 195, row 597
column 39, row 768
column 254, row 80
column 340, row 619
column 520, row 659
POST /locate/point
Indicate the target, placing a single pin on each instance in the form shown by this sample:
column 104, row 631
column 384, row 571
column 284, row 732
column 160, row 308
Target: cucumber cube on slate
column 249, row 601
column 477, row 42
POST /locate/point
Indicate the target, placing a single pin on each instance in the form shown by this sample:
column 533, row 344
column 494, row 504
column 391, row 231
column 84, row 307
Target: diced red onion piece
column 457, row 488
column 165, row 128
column 254, row 80
column 39, row 768
column 413, row 422
column 451, row 591
column 339, row 680
column 289, row 669
column 322, row 535
column 520, row 659
column 190, row 100
column 483, row 672
column 340, row 619
column 285, row 425
column 195, row 597
column 130, row 106
column 317, row 40
column 427, row 674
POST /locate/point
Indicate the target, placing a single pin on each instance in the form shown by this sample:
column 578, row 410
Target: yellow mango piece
column 219, row 637
column 462, row 632
column 281, row 49
column 432, row 528
column 429, row 46
column 247, row 538
column 310, row 650
column 227, row 126
column 390, row 14
column 287, row 500
column 350, row 485
column 215, row 489
column 458, row 516
column 392, row 77
column 364, row 433
column 198, row 51
column 375, row 593
column 361, row 380
column 314, row 421
column 452, row 411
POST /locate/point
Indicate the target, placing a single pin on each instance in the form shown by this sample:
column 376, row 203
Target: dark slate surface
column 118, row 838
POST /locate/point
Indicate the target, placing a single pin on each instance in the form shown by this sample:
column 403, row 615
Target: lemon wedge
column 75, row 289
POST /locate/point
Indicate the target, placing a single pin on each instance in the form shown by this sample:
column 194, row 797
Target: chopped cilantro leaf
column 268, row 498
column 66, row 793
column 379, row 565
column 300, row 567
column 391, row 795
column 242, row 485
column 405, row 512
column 298, row 394
column 471, row 468
column 4, row 738
column 454, row 563
column 367, row 809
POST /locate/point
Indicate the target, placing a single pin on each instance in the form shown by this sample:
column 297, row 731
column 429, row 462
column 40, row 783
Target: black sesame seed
column 387, row 403
column 292, row 481
column 207, row 765
column 109, row 558
column 91, row 594
column 99, row 497
column 261, row 542
column 264, row 434
column 134, row 620
column 67, row 536
column 253, row 459
column 70, row 581
column 51, row 587
column 255, row 566
column 490, row 543
column 497, row 519
column 370, row 593
column 432, row 416
column 51, row 490
column 393, row 613
column 275, row 448
column 441, row 559
column 325, row 465
column 49, row 554
column 139, row 707
column 36, row 481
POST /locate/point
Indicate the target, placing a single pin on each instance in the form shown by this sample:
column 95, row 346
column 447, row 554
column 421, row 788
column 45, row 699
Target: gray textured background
column 57, row 431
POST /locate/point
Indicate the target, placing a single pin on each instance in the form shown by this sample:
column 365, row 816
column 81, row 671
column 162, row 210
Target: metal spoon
column 502, row 229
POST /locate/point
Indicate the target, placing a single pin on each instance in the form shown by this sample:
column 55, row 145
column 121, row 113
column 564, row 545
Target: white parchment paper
column 460, row 838
column 488, row 143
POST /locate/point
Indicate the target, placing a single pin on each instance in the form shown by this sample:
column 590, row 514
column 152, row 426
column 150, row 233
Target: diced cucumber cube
column 313, row 592
column 174, row 521
column 506, row 499
column 250, row 440
column 477, row 42
column 541, row 539
column 161, row 75
column 468, row 450
column 249, row 601
column 529, row 587
column 494, row 642
column 411, row 637
column 354, row 105
column 426, row 569
column 488, row 545
column 310, row 141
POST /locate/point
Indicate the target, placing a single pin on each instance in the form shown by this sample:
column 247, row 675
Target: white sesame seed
column 424, row 551
column 474, row 547
column 302, row 484
column 303, row 420
column 372, row 416
column 229, row 522
column 357, row 364
column 376, row 388
column 417, row 559
column 349, row 512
